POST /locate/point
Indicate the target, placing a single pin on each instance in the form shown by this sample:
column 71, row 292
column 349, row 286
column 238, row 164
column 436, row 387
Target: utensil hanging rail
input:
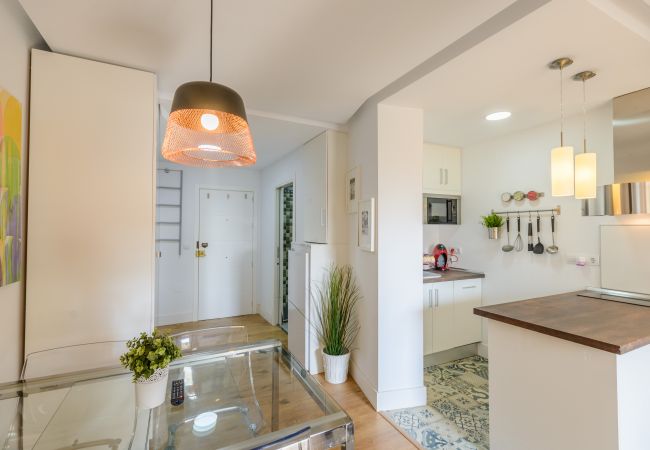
column 555, row 210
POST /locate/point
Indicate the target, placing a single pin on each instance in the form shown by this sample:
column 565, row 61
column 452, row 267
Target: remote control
column 178, row 392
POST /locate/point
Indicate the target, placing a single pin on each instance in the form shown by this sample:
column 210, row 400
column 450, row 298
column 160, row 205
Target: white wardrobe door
column 90, row 254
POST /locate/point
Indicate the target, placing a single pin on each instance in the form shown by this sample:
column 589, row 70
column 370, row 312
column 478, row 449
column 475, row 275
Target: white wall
column 399, row 244
column 176, row 273
column 362, row 153
column 521, row 161
column 17, row 36
column 277, row 174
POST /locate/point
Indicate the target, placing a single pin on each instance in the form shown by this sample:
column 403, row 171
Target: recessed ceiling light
column 498, row 115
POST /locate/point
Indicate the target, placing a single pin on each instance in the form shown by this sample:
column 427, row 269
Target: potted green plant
column 148, row 357
column 337, row 324
column 493, row 223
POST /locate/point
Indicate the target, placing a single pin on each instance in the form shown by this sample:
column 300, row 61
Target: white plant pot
column 151, row 392
column 336, row 367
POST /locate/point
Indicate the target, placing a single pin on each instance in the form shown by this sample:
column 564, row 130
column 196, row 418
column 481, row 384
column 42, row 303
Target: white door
column 226, row 238
column 467, row 296
column 443, row 316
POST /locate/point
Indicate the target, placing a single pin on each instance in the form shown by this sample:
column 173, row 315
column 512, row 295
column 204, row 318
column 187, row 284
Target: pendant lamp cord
column 561, row 109
column 584, row 117
column 211, row 25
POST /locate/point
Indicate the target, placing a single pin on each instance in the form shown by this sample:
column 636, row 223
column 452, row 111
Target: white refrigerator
column 308, row 267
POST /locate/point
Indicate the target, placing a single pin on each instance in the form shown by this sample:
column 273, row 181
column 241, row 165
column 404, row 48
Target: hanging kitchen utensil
column 507, row 248
column 553, row 248
column 519, row 242
column 530, row 233
column 539, row 247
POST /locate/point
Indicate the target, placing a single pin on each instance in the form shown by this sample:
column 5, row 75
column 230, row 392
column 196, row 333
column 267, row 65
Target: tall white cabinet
column 90, row 254
column 321, row 183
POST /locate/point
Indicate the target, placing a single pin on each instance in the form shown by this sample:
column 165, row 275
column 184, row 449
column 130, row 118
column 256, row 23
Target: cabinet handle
column 446, row 176
column 469, row 287
column 322, row 217
column 437, row 298
column 430, row 299
column 441, row 175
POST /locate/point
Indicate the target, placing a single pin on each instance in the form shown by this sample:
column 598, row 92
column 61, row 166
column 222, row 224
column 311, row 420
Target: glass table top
column 261, row 397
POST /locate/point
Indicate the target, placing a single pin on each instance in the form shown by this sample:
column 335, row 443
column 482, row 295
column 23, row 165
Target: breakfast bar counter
column 568, row 372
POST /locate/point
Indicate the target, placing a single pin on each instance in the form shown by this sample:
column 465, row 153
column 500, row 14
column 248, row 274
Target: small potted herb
column 493, row 223
column 148, row 357
column 337, row 324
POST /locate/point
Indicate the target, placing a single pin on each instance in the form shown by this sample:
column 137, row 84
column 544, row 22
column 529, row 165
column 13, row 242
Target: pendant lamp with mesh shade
column 207, row 125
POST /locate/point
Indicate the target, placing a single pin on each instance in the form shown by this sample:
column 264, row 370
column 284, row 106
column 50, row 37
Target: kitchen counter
column 606, row 325
column 568, row 372
column 454, row 275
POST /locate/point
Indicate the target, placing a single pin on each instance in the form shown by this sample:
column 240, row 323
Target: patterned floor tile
column 457, row 413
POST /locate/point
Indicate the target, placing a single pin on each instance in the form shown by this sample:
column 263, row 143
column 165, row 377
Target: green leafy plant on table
column 148, row 353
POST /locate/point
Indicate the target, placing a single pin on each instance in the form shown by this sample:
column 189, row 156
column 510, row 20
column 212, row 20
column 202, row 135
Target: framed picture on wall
column 367, row 225
column 352, row 189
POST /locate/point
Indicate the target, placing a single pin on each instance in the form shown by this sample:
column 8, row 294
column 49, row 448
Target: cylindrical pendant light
column 207, row 125
column 585, row 163
column 562, row 175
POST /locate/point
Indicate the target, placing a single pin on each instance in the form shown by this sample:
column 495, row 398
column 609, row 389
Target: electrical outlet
column 583, row 260
column 593, row 261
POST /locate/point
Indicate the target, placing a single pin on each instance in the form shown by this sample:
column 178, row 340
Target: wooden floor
column 372, row 430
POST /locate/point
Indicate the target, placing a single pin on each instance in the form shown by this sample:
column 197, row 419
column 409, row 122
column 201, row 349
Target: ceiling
column 508, row 72
column 314, row 59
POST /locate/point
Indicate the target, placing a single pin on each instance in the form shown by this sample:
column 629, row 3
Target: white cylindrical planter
column 336, row 368
column 151, row 392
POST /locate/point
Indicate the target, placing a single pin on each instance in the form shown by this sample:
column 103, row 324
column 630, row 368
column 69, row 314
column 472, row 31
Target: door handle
column 446, row 176
column 322, row 217
column 430, row 299
column 437, row 302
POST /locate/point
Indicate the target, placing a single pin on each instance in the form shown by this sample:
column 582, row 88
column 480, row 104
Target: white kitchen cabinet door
column 441, row 169
column 428, row 304
column 452, row 170
column 443, row 316
column 467, row 325
column 314, row 165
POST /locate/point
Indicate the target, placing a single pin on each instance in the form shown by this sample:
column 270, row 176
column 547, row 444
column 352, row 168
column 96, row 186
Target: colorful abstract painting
column 11, row 241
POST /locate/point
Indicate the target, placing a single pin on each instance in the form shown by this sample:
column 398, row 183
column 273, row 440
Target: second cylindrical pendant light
column 562, row 168
column 585, row 163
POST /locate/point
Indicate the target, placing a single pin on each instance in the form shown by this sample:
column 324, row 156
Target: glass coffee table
column 252, row 396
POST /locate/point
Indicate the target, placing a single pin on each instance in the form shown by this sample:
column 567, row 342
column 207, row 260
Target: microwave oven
column 441, row 210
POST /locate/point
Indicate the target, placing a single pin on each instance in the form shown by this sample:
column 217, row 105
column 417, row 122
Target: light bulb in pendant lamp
column 562, row 172
column 585, row 176
column 207, row 127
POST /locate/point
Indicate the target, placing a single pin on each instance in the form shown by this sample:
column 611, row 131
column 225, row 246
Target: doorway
column 225, row 253
column 285, row 215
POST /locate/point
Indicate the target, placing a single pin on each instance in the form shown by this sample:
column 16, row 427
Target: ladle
column 508, row 248
column 552, row 249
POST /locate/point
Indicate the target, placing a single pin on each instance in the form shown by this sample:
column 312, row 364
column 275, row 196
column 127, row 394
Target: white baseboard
column 402, row 398
column 170, row 319
column 482, row 350
column 364, row 383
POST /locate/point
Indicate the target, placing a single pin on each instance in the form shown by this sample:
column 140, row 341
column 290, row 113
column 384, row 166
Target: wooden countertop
column 611, row 326
column 454, row 275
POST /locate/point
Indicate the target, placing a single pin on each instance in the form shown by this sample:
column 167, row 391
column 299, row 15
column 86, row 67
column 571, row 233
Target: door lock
column 199, row 252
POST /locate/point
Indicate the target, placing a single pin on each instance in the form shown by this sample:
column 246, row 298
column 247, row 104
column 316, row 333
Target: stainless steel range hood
column 630, row 193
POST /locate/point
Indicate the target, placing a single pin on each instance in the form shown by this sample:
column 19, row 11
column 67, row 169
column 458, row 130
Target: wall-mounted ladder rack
column 178, row 224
